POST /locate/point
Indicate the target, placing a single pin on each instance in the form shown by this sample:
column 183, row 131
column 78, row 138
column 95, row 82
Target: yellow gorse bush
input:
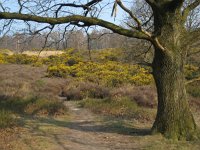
column 109, row 73
column 106, row 70
column 21, row 59
column 64, row 58
column 2, row 59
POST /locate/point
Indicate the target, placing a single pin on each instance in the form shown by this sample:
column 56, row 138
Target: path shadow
column 118, row 127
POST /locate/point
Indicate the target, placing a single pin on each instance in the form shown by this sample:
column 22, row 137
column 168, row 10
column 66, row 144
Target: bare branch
column 76, row 18
column 193, row 80
column 2, row 7
column 193, row 5
column 139, row 24
column 190, row 7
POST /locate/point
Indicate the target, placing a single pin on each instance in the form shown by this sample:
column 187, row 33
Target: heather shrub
column 82, row 90
column 144, row 96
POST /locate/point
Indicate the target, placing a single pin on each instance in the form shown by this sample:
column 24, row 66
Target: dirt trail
column 88, row 132
column 82, row 130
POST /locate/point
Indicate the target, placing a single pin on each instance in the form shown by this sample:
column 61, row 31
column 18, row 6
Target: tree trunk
column 174, row 118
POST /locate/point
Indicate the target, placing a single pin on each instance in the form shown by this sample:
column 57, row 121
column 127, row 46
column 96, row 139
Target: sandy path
column 88, row 132
column 82, row 130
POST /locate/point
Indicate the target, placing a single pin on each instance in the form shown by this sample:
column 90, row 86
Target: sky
column 106, row 14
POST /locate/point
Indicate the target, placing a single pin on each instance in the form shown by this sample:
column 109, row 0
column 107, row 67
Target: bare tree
column 168, row 36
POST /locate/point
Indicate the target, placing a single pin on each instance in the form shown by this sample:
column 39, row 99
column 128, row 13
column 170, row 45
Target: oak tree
column 168, row 35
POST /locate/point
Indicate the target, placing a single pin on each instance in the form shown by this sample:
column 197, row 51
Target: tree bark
column 174, row 118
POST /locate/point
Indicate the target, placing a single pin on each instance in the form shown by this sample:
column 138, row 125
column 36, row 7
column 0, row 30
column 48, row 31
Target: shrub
column 21, row 59
column 45, row 107
column 108, row 55
column 2, row 59
column 60, row 70
column 37, row 64
column 82, row 90
column 144, row 96
column 109, row 74
column 65, row 58
column 141, row 77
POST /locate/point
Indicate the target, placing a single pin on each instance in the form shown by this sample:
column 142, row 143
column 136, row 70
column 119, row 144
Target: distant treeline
column 78, row 39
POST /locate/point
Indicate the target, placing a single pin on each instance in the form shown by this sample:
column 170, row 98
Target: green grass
column 6, row 118
column 123, row 108
column 47, row 107
column 30, row 106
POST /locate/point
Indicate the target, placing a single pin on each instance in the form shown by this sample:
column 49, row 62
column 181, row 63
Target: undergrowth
column 122, row 108
column 6, row 118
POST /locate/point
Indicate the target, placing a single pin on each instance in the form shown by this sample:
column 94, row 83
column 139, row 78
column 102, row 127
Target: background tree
column 168, row 35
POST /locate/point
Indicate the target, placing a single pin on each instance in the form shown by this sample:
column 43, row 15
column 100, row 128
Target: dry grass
column 26, row 90
column 24, row 80
column 43, row 53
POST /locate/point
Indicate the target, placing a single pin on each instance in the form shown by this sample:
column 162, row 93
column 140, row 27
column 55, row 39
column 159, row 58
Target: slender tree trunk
column 174, row 118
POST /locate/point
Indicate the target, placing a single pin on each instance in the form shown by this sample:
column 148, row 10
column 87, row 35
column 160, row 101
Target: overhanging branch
column 76, row 18
column 190, row 7
column 193, row 80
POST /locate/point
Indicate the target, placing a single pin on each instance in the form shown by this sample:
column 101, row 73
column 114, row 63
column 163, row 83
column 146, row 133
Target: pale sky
column 106, row 14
